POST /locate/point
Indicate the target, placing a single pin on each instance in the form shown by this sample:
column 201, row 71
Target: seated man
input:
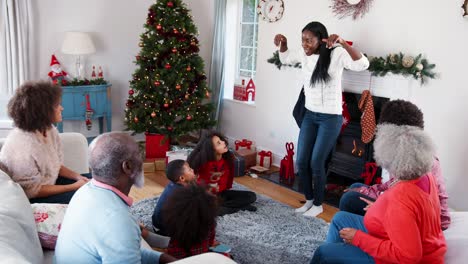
column 180, row 174
column 98, row 226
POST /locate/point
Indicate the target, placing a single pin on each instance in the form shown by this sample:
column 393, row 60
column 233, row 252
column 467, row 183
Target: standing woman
column 32, row 152
column 322, row 68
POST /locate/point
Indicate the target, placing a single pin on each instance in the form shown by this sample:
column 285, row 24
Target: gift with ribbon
column 264, row 159
column 244, row 144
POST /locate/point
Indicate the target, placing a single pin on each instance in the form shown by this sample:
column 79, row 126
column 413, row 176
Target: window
column 248, row 39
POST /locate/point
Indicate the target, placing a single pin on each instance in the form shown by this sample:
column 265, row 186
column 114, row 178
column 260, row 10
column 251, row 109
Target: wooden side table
column 74, row 104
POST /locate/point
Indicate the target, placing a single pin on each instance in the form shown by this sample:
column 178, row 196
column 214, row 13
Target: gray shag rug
column 273, row 234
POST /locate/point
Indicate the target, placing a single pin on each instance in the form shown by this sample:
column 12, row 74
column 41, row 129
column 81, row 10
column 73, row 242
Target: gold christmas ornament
column 407, row 61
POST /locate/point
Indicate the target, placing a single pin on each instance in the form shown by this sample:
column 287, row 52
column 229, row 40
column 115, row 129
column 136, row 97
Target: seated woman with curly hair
column 32, row 153
column 404, row 224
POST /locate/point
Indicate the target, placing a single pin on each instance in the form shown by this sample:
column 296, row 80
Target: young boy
column 180, row 174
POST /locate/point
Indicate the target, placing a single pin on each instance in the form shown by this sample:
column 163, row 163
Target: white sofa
column 19, row 242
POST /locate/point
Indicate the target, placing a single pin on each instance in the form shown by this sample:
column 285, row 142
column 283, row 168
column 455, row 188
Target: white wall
column 434, row 28
column 115, row 26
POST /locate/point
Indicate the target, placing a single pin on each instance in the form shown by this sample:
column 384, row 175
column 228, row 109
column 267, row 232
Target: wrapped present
column 264, row 159
column 249, row 155
column 178, row 147
column 239, row 166
column 148, row 165
column 244, row 144
column 175, row 155
column 160, row 164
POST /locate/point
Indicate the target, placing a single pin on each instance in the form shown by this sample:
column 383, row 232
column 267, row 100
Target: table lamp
column 77, row 43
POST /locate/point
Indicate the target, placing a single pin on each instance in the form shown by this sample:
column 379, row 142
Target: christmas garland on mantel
column 398, row 64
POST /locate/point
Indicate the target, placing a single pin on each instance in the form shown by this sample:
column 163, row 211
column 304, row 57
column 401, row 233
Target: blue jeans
column 61, row 198
column 334, row 250
column 350, row 201
column 317, row 138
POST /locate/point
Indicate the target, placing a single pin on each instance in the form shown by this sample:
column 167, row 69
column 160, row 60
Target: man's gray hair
column 407, row 152
column 107, row 152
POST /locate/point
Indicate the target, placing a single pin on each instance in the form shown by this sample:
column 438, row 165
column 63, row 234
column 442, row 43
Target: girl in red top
column 213, row 162
column 403, row 225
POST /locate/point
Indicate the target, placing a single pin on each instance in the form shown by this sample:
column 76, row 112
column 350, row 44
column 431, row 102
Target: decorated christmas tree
column 168, row 93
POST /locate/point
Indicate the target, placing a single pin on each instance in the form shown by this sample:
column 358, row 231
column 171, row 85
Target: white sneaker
column 314, row 211
column 308, row 204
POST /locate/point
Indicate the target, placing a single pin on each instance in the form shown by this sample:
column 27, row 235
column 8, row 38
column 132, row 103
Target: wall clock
column 465, row 8
column 270, row 10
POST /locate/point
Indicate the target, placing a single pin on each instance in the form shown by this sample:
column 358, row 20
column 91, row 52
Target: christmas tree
column 168, row 93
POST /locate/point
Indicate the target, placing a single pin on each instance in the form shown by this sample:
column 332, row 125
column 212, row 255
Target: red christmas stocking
column 345, row 113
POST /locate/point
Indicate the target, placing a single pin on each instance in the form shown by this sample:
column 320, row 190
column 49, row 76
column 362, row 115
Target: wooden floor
column 156, row 181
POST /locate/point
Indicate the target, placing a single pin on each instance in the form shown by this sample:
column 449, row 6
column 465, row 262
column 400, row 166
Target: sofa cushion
column 19, row 242
column 48, row 219
column 457, row 238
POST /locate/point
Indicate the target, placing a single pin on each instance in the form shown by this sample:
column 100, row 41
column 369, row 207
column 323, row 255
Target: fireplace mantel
column 390, row 86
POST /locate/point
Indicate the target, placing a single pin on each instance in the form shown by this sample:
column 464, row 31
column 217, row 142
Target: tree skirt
column 273, row 234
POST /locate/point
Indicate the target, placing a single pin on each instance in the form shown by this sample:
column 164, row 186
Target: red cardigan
column 404, row 225
column 217, row 175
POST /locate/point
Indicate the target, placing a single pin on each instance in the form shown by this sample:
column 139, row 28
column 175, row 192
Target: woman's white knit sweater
column 324, row 97
column 31, row 159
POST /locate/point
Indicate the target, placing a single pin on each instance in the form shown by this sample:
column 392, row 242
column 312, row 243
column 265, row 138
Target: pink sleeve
column 443, row 196
column 376, row 190
column 401, row 247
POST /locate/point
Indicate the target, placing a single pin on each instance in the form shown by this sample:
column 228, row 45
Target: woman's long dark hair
column 204, row 151
column 190, row 215
column 320, row 73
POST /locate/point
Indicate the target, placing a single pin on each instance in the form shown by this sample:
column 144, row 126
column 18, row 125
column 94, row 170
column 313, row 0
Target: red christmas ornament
column 166, row 105
column 170, row 128
column 175, row 31
column 153, row 114
column 131, row 92
column 138, row 58
column 189, row 68
column 174, row 50
column 157, row 83
column 170, row 4
column 178, row 87
column 189, row 117
column 167, row 66
column 158, row 27
column 135, row 120
column 208, row 95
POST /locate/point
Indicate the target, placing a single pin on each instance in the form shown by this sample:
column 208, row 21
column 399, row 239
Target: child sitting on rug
column 213, row 162
column 180, row 174
column 190, row 221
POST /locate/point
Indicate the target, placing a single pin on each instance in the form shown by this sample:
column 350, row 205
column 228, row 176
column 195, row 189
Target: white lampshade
column 77, row 43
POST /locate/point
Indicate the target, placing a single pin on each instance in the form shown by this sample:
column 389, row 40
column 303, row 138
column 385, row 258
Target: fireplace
column 350, row 155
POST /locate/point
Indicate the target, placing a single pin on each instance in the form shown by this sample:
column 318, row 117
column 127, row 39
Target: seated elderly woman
column 32, row 153
column 403, row 225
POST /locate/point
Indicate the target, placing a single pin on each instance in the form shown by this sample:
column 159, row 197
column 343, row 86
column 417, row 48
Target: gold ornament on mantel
column 407, row 61
column 465, row 8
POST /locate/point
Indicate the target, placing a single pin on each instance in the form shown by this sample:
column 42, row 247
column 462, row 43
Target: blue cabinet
column 74, row 104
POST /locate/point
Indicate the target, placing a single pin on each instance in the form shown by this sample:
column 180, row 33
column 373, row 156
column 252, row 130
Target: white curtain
column 15, row 48
column 217, row 58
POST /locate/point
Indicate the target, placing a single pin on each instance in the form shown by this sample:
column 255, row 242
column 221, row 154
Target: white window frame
column 239, row 45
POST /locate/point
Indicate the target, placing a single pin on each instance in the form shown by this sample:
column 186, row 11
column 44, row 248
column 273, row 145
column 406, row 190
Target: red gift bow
column 244, row 143
column 264, row 154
